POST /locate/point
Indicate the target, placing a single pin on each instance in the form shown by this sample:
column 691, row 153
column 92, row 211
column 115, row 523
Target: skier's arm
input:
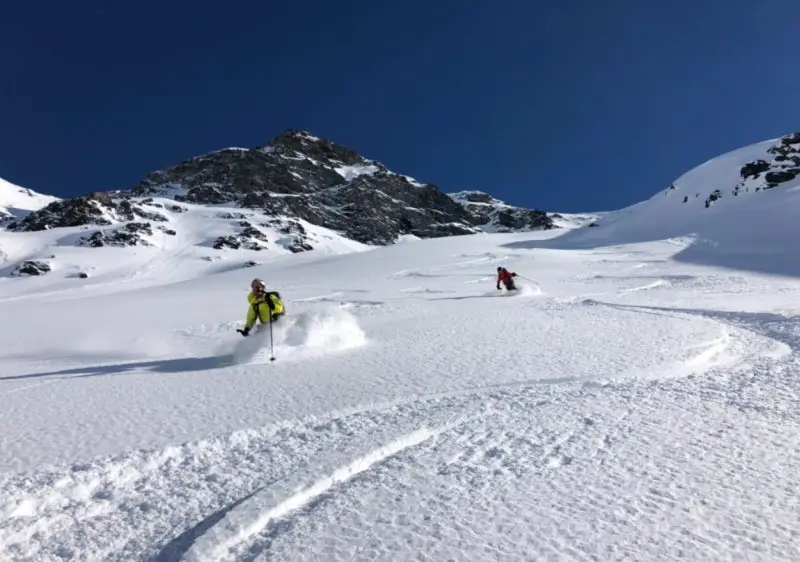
column 251, row 317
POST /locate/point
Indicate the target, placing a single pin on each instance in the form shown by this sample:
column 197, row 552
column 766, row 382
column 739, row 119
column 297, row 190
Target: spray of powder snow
column 526, row 290
column 302, row 335
column 523, row 290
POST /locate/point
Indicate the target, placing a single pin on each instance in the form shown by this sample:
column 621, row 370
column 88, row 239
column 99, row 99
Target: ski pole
column 527, row 279
column 271, row 342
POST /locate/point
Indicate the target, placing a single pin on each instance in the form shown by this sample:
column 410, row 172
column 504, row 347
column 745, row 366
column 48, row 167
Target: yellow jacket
column 260, row 308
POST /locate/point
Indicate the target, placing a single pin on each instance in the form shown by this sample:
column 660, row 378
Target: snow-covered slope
column 159, row 240
column 16, row 201
column 735, row 210
column 620, row 406
column 574, row 220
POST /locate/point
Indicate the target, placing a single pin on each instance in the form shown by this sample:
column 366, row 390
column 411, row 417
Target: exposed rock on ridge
column 784, row 167
column 496, row 216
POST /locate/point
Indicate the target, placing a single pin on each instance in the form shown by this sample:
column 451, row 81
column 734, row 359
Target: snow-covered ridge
column 575, row 220
column 743, row 172
column 743, row 200
column 17, row 201
column 494, row 215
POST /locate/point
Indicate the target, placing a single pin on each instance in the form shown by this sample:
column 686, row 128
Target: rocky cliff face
column 294, row 177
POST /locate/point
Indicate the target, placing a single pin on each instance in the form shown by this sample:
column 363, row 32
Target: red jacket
column 505, row 276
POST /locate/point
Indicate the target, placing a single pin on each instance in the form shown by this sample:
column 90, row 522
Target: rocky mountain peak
column 295, row 179
column 303, row 142
column 474, row 197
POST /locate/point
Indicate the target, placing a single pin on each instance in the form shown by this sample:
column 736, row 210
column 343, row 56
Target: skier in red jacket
column 506, row 278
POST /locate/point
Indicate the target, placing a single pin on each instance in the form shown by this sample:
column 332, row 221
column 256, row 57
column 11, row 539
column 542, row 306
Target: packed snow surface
column 619, row 406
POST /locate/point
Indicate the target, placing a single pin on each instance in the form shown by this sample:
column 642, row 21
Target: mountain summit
column 296, row 193
column 302, row 176
column 296, row 175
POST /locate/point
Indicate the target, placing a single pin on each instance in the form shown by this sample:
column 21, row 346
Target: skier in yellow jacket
column 265, row 306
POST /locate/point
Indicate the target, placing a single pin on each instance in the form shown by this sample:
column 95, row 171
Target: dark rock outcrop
column 131, row 234
column 99, row 209
column 780, row 176
column 31, row 268
column 715, row 195
column 86, row 210
column 784, row 167
column 295, row 237
column 754, row 169
column 248, row 238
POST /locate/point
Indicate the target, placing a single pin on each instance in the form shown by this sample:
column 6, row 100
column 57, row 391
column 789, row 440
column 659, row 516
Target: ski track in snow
column 418, row 414
column 566, row 472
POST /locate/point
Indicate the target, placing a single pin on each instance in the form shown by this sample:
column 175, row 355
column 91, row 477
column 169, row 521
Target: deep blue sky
column 567, row 106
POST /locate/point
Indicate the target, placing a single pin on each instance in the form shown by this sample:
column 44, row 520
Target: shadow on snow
column 180, row 365
column 175, row 549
